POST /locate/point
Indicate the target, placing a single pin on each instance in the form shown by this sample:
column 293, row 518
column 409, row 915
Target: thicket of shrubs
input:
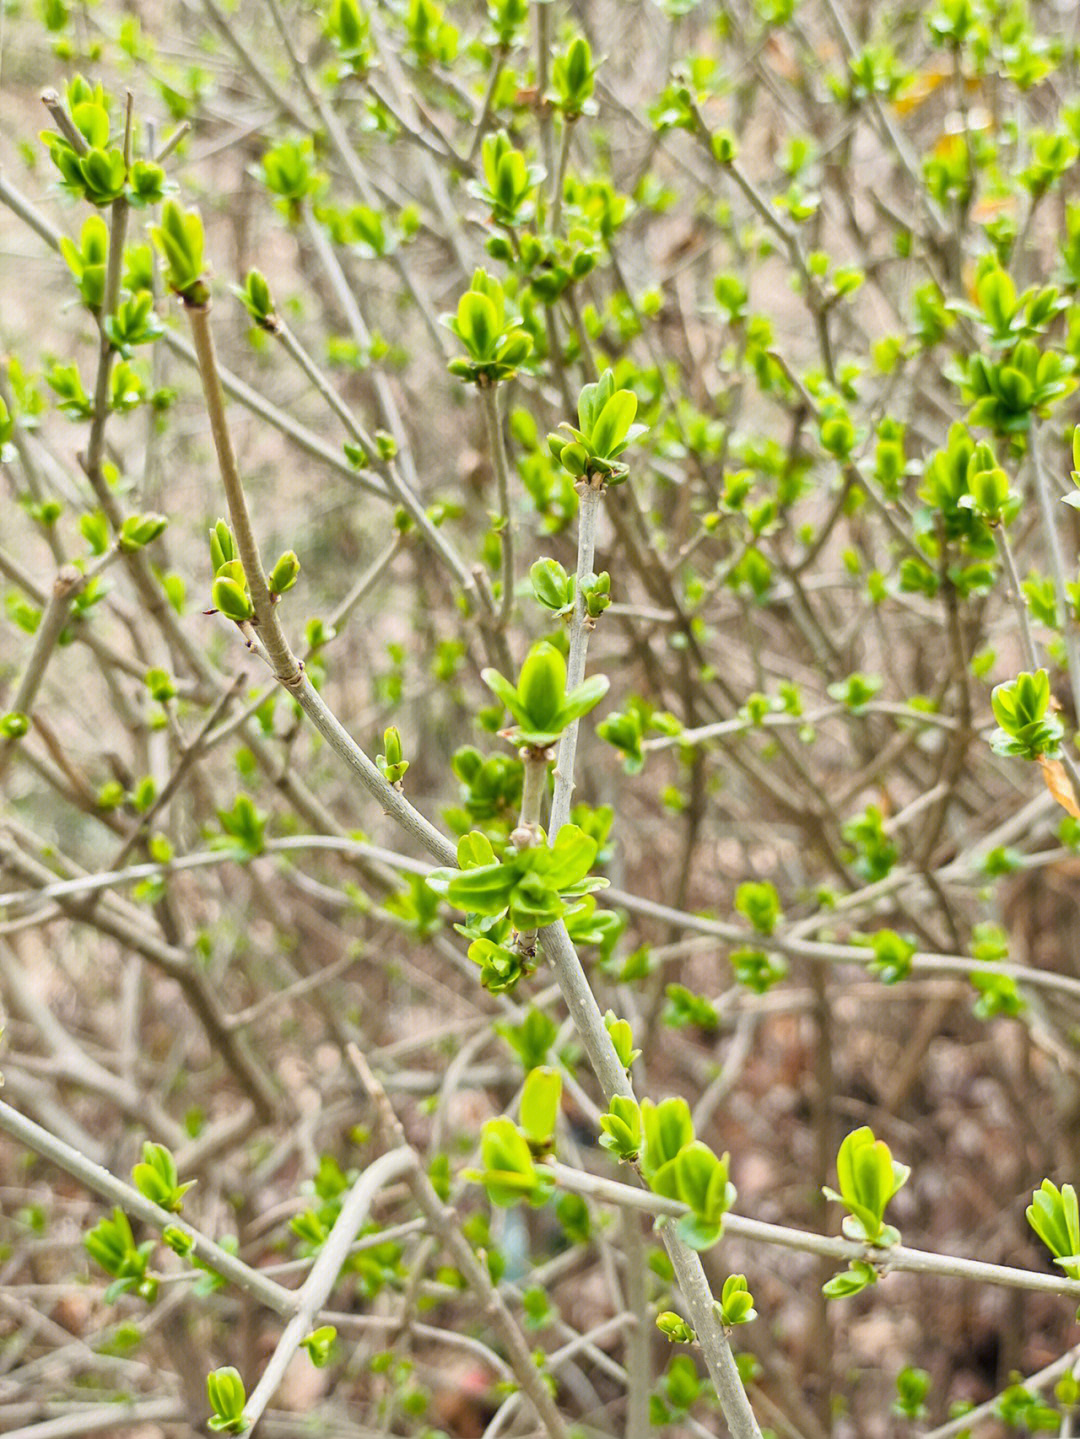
column 541, row 618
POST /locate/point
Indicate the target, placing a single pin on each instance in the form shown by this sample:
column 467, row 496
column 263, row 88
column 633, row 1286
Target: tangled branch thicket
column 662, row 413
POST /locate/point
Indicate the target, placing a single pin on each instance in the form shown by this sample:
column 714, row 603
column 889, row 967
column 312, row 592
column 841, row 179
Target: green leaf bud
column 222, row 545
column 255, row 296
column 622, row 1037
column 540, row 1107
column 542, row 686
column 14, row 724
column 613, row 423
column 320, row 1344
column 392, row 763
column 551, row 585
column 180, row 239
column 232, row 599
column 674, row 1328
column 140, row 530
column 284, row 574
column 225, row 1390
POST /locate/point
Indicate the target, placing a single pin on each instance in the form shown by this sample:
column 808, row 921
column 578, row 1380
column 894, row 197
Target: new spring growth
column 868, row 1177
column 1026, row 725
column 736, row 1304
column 112, row 1245
column 288, row 171
column 222, row 546
column 553, row 588
column 606, row 428
column 86, row 260
column 508, row 187
column 229, row 592
column 507, row 20
column 320, row 1345
column 97, row 171
column 492, row 335
column 988, row 488
column 573, row 77
column 540, row 1108
column 349, row 31
column 674, row 1328
column 622, row 1037
column 621, row 1132
column 156, row 1178
column 539, row 703
column 225, row 1390
column 256, row 299
column 230, row 595
column 509, row 1174
column 392, row 763
column 530, row 885
column 678, row 1166
column 139, row 530
column 1053, row 1215
column 1073, row 499
column 284, row 574
column 180, row 239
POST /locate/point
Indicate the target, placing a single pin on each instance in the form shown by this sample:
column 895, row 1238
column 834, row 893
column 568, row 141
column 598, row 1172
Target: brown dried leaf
column 1059, row 784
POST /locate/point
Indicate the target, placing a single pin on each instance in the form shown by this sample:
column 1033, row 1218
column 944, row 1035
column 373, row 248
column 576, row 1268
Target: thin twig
column 394, row 1164
column 588, row 510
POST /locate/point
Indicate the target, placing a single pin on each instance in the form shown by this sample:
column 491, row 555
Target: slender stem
column 484, row 118
column 1016, row 597
column 172, row 142
column 585, row 1012
column 188, row 756
column 285, row 665
column 66, row 586
column 270, row 88
column 444, row 1223
column 1048, row 510
column 294, row 348
column 63, row 121
column 912, row 1261
column 100, row 1181
column 991, row 1408
column 535, row 762
column 306, row 440
column 346, row 153
column 560, row 174
column 492, row 407
column 534, row 786
column 326, row 1269
column 790, row 943
column 400, row 484
column 588, row 510
column 95, row 452
column 712, row 1337
column 335, row 623
column 392, row 801
column 89, row 1419
column 1069, row 628
column 639, row 1370
column 274, row 415
column 794, row 947
column 128, row 926
column 895, row 137
column 782, row 720
column 541, row 13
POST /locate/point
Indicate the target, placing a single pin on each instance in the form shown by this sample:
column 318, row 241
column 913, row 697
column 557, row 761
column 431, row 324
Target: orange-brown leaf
column 1059, row 784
